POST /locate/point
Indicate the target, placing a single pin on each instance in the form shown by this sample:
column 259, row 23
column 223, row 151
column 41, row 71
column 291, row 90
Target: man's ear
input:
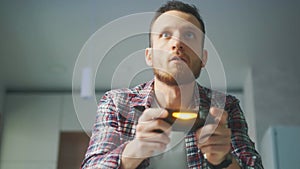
column 148, row 56
column 204, row 58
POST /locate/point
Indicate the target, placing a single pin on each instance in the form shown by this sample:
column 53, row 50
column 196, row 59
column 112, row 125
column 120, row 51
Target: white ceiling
column 41, row 39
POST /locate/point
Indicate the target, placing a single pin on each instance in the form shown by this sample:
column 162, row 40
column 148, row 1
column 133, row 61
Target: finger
column 224, row 118
column 154, row 137
column 153, row 113
column 220, row 115
column 205, row 132
column 210, row 130
column 216, row 140
column 166, row 131
column 159, row 126
column 154, row 125
column 158, row 147
column 145, row 149
column 212, row 149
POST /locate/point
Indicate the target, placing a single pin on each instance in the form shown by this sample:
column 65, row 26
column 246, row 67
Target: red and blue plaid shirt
column 118, row 114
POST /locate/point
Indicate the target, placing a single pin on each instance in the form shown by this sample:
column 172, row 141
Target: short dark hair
column 178, row 6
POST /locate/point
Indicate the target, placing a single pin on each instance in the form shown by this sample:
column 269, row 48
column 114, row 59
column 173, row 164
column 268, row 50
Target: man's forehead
column 176, row 19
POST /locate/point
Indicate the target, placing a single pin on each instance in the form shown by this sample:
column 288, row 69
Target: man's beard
column 179, row 78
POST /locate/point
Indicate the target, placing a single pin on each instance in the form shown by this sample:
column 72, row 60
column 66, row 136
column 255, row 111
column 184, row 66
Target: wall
column 249, row 106
column 280, row 147
column 276, row 86
column 32, row 126
column 2, row 94
column 31, row 131
column 81, row 119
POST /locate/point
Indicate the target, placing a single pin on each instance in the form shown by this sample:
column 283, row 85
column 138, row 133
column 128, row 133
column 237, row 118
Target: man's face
column 176, row 48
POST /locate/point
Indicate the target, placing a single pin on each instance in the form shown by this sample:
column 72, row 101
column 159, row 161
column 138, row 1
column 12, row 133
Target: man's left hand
column 214, row 140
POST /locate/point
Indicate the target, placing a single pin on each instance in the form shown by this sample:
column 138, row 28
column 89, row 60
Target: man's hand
column 214, row 140
column 152, row 135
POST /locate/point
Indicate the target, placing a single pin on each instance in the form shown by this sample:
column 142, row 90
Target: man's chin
column 170, row 81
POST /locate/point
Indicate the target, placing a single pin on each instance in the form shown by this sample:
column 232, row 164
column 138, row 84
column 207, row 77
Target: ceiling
column 43, row 41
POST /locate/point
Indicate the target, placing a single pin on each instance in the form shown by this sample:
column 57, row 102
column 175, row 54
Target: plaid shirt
column 118, row 114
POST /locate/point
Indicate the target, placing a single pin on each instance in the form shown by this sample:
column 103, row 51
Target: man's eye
column 165, row 35
column 190, row 35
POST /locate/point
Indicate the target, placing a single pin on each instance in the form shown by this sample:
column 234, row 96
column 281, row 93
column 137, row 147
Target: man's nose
column 177, row 44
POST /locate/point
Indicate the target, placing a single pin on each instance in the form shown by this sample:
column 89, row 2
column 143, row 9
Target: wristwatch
column 223, row 164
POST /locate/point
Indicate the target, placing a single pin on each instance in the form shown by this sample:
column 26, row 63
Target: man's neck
column 173, row 97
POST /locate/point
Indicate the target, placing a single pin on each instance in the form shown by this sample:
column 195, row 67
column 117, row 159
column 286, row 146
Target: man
column 131, row 127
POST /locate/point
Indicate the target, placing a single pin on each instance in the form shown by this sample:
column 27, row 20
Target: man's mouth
column 177, row 58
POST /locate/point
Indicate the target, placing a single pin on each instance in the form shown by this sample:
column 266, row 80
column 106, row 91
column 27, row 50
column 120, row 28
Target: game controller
column 186, row 120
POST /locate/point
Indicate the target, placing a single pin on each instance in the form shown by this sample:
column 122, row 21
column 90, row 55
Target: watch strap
column 224, row 164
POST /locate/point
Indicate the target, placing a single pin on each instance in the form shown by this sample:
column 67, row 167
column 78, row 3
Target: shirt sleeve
column 106, row 146
column 243, row 148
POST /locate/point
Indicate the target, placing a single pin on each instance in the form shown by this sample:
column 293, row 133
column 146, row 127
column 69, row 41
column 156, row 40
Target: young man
column 131, row 129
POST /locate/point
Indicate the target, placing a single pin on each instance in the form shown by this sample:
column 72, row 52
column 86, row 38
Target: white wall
column 249, row 106
column 32, row 124
column 2, row 95
column 31, row 131
column 280, row 147
column 276, row 86
column 80, row 119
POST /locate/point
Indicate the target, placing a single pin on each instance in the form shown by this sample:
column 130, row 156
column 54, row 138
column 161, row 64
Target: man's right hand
column 152, row 135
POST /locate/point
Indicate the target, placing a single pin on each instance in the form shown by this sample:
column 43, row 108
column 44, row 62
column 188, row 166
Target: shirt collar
column 145, row 96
